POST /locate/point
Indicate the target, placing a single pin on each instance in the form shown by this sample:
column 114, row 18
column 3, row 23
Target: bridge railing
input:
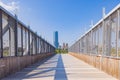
column 103, row 38
column 19, row 45
column 100, row 46
column 17, row 39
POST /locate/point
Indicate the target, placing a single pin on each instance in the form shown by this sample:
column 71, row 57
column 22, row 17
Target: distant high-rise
column 56, row 43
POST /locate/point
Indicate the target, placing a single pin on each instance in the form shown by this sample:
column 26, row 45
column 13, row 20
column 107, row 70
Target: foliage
column 61, row 51
column 5, row 53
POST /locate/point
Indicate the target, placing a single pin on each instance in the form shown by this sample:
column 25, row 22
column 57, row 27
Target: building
column 56, row 43
column 65, row 46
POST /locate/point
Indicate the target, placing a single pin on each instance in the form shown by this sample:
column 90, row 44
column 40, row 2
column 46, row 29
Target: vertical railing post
column 40, row 45
column 31, row 44
column 98, row 41
column 49, row 48
column 28, row 40
column 15, row 36
column 22, row 40
column 38, row 50
column 1, row 38
column 91, row 42
column 118, row 45
column 44, row 46
column 117, row 39
column 36, row 43
column 109, row 37
column 103, row 41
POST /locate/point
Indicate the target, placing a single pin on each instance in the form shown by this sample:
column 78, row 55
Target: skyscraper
column 56, row 43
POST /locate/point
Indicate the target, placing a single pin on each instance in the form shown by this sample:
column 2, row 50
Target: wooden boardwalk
column 60, row 67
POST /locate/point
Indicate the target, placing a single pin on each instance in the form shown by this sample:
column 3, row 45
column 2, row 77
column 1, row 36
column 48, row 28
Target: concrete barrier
column 10, row 65
column 107, row 64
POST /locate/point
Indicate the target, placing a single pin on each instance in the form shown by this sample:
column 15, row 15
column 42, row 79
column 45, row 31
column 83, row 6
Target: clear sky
column 71, row 18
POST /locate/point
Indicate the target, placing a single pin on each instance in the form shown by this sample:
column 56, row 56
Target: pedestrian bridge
column 24, row 55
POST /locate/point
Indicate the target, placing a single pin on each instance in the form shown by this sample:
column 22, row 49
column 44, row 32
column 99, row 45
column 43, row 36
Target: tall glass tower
column 56, row 43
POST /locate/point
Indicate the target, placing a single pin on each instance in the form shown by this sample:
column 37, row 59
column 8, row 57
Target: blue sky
column 71, row 18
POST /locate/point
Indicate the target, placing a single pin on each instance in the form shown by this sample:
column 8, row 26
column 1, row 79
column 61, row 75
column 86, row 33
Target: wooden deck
column 60, row 67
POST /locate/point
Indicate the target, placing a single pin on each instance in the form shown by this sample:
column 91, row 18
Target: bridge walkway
column 60, row 67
